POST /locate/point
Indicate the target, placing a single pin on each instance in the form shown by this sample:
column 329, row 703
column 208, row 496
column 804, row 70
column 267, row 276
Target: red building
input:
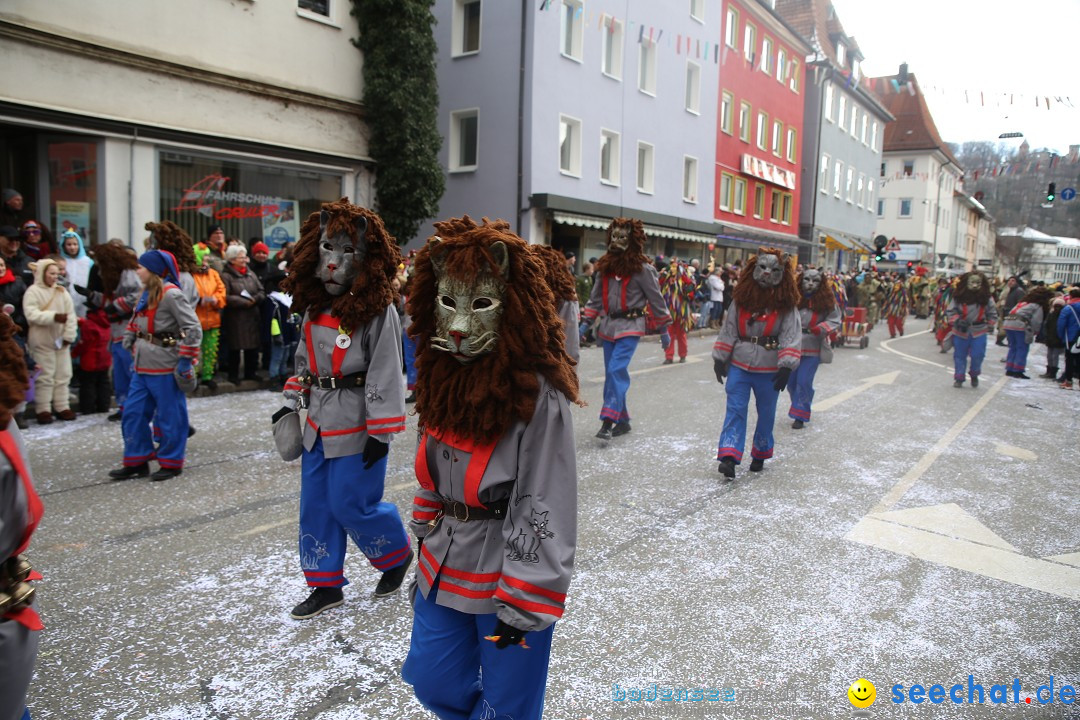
column 759, row 125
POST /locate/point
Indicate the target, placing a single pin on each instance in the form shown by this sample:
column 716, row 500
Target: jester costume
column 896, row 307
column 677, row 287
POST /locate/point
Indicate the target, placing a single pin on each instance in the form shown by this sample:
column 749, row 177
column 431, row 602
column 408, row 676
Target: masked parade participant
column 348, row 376
column 677, row 287
column 820, row 318
column 626, row 283
column 1021, row 325
column 496, row 513
column 163, row 337
column 563, row 287
column 971, row 315
column 896, row 306
column 757, row 349
column 170, row 237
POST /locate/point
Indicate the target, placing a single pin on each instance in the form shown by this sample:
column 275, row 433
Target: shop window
column 73, row 189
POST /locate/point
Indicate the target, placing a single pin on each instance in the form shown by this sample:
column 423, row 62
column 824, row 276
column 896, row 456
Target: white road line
column 831, row 402
column 1016, row 452
column 913, row 475
column 885, row 345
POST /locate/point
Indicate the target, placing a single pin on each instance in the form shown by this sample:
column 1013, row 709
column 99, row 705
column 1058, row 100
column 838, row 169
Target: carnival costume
column 758, row 348
column 564, row 289
column 971, row 315
column 1022, row 325
column 896, row 307
column 820, row 318
column 677, row 287
column 496, row 512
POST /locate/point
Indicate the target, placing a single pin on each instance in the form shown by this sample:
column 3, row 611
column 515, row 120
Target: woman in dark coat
column 240, row 323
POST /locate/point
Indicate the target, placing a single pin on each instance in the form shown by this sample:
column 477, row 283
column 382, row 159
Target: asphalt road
column 913, row 533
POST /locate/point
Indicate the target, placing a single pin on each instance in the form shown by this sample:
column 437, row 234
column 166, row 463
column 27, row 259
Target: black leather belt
column 769, row 342
column 161, row 339
column 629, row 314
column 464, row 513
column 345, row 382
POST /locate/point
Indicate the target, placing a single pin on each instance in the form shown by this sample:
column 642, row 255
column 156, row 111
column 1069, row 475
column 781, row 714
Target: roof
column 914, row 127
column 1026, row 233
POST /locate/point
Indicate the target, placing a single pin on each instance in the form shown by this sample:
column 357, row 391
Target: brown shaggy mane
column 112, row 260
column 371, row 292
column 823, row 301
column 171, row 237
column 556, row 273
column 13, row 376
column 629, row 261
column 967, row 297
column 1041, row 295
column 756, row 299
column 480, row 401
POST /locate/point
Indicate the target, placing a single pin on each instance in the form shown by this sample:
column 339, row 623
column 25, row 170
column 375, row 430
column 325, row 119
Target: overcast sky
column 1028, row 48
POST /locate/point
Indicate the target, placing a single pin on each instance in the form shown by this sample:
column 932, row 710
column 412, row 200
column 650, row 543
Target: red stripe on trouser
column 391, row 560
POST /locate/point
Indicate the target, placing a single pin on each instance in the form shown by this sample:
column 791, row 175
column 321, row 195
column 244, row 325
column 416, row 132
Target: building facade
column 117, row 112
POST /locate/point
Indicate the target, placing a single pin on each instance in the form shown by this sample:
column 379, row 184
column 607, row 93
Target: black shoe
column 798, row 425
column 605, row 431
column 620, row 429
column 391, row 580
column 129, row 471
column 682, row 360
column 116, row 416
column 211, row 385
column 1022, row 376
column 974, row 381
column 191, row 430
column 411, row 398
column 165, row 474
column 20, row 422
column 1000, row 342
column 321, row 598
column 727, row 468
column 668, row 361
column 958, row 383
column 756, row 465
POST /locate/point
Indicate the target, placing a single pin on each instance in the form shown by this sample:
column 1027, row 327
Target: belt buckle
column 754, row 340
column 333, row 382
column 456, row 517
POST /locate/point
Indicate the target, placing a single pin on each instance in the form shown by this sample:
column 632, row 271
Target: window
column 785, row 209
column 865, row 126
column 838, row 178
column 464, row 139
column 319, row 7
column 882, row 168
column 762, row 129
column 870, row 198
column 689, row 179
column 840, row 53
column 697, row 10
column 612, row 48
column 905, row 207
column 777, row 137
column 793, row 75
column 726, row 103
column 726, row 183
column 466, row 22
column 644, row 167
column 744, row 121
column 749, row 41
column 849, row 186
column 873, row 137
column 791, row 145
column 739, row 205
column 841, row 117
column 647, row 67
column 759, row 201
column 829, row 101
column 610, row 152
column 781, row 65
column 570, row 145
column 775, row 209
column 767, row 56
column 880, row 208
column 854, row 119
column 909, row 168
column 860, row 190
column 570, row 31
column 731, row 29
column 823, row 174
column 693, row 88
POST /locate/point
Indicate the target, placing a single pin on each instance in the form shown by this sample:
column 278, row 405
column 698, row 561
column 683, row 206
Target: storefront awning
column 833, row 243
column 585, row 221
column 653, row 231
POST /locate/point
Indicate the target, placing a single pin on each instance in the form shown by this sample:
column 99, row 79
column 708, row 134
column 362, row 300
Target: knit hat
column 161, row 263
column 260, row 247
column 10, row 193
column 201, row 251
column 9, row 231
column 213, row 229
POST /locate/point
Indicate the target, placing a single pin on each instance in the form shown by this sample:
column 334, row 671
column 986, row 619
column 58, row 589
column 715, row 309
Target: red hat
column 260, row 247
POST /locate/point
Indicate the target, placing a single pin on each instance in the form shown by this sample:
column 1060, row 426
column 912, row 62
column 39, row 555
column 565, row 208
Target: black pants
column 95, row 391
column 251, row 364
column 1072, row 365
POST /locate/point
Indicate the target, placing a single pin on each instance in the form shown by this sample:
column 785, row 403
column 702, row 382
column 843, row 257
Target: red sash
column 25, row 616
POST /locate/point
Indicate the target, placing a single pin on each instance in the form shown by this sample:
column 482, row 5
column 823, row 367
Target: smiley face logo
column 862, row 693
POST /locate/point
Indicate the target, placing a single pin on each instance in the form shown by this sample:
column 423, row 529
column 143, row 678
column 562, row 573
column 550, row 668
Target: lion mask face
column 468, row 314
column 620, row 238
column 811, row 282
column 974, row 282
column 339, row 256
column 768, row 272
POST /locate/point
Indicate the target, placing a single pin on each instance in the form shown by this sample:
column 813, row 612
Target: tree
column 401, row 103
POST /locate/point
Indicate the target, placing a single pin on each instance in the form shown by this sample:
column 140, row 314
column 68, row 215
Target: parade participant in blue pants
column 1022, row 325
column 164, row 337
column 496, row 511
column 820, row 318
column 757, row 349
column 971, row 315
column 348, row 376
column 626, row 283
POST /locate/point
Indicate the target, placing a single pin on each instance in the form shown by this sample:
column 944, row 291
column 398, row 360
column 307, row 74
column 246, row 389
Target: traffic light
column 879, row 256
column 1051, row 193
column 910, row 265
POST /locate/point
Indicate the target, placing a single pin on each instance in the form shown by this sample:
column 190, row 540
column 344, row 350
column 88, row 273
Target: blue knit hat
column 162, row 263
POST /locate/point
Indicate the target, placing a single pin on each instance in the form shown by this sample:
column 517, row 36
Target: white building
column 245, row 114
column 1026, row 250
column 1067, row 260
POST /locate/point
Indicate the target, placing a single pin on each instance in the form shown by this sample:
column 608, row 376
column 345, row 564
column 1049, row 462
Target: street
column 912, row 533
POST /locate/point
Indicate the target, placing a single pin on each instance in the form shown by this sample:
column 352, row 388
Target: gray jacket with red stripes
column 1025, row 316
column 120, row 303
column 616, row 294
column 979, row 318
column 734, row 344
column 346, row 417
column 816, row 329
column 517, row 567
column 173, row 314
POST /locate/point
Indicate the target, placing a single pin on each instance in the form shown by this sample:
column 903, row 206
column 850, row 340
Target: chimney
column 903, row 74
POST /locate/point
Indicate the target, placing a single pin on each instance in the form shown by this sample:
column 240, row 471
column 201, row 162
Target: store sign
column 768, row 172
column 204, row 197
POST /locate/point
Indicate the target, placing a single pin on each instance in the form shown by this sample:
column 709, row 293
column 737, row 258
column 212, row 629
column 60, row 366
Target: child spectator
column 95, row 360
column 284, row 331
column 78, row 265
column 51, row 315
column 211, row 290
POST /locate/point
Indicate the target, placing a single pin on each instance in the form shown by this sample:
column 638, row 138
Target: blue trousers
column 121, row 372
column 339, row 499
column 801, row 387
column 1016, row 359
column 975, row 348
column 733, row 435
column 408, row 346
column 281, row 357
column 617, row 356
column 146, row 396
column 458, row 675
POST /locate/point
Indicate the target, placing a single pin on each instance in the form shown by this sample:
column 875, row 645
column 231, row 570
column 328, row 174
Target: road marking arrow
column 828, row 403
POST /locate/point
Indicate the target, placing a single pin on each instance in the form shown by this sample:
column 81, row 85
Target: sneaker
column 798, row 425
column 321, row 598
column 757, row 465
column 1067, row 385
column 165, row 474
column 958, row 383
column 130, row 471
column 727, row 468
column 391, row 580
column 620, row 429
column 605, row 431
column 974, row 381
column 116, row 416
column 668, row 361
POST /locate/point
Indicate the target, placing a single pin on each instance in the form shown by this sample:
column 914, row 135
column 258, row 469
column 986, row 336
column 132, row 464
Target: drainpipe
column 131, row 187
column 518, row 200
